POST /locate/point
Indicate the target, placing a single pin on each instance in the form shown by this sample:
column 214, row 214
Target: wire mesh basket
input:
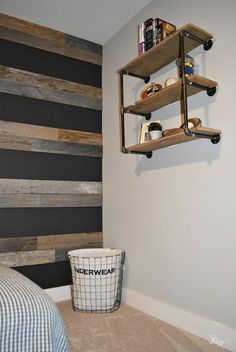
column 96, row 279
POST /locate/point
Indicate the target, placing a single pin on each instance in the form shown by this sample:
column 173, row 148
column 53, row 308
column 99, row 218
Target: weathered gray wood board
column 72, row 241
column 44, row 249
column 49, row 133
column 13, row 259
column 63, row 241
column 8, row 186
column 26, row 137
column 46, row 146
column 34, row 85
column 28, row 33
column 49, row 200
column 36, row 194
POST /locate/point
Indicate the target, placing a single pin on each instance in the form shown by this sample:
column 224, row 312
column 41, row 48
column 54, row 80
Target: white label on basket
column 95, row 272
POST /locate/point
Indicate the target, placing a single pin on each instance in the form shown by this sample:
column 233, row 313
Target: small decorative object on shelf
column 155, row 130
column 171, row 131
column 151, row 32
column 153, row 88
column 170, row 81
column 141, row 40
column 188, row 66
column 193, row 122
column 147, row 132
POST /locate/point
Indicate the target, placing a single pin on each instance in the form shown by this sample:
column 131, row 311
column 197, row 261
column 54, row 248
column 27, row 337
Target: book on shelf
column 151, row 32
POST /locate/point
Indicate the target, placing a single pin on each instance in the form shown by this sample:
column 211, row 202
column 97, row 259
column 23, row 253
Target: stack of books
column 151, row 32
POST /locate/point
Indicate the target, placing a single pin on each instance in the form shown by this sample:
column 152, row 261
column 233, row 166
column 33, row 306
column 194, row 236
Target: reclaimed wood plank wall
column 50, row 149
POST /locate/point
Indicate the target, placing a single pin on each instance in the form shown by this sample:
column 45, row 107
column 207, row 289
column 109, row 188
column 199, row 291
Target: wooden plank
column 16, row 244
column 170, row 95
column 43, row 193
column 66, row 148
column 13, row 259
column 89, row 138
column 171, row 140
column 71, row 241
column 63, row 241
column 165, row 52
column 23, row 251
column 28, row 130
column 34, row 85
column 49, row 133
column 28, row 33
column 20, row 186
column 49, row 200
column 61, row 255
column 16, row 143
column 47, row 146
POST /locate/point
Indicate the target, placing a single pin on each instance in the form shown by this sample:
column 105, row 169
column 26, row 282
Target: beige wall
column 175, row 214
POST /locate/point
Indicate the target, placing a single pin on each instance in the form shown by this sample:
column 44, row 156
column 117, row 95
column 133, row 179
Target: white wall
column 84, row 19
column 175, row 214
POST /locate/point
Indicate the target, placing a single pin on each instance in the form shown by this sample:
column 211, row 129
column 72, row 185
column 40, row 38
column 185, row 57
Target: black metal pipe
column 146, row 79
column 184, row 103
column 185, row 83
column 122, row 119
column 210, row 90
column 197, row 85
column 128, row 111
column 194, row 37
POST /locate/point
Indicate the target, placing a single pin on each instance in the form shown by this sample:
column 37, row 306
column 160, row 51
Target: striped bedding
column 29, row 320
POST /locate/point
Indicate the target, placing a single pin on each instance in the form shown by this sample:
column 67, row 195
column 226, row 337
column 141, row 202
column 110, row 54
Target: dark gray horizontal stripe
column 39, row 61
column 17, row 222
column 43, row 166
column 40, row 112
column 28, row 33
column 48, row 275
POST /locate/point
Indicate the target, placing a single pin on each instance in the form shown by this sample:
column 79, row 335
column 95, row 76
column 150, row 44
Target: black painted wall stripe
column 45, row 275
column 46, row 221
column 42, row 166
column 39, row 61
column 41, row 112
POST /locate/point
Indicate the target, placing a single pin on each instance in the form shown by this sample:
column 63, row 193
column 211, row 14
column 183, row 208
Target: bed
column 29, row 320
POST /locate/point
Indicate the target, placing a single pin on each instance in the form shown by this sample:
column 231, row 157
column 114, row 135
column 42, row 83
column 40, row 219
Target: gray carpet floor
column 127, row 330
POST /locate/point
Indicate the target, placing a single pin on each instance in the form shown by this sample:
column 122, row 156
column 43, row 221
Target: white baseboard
column 58, row 294
column 212, row 331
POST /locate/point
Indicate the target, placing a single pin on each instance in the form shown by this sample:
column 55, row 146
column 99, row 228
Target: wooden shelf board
column 171, row 140
column 165, row 52
column 169, row 95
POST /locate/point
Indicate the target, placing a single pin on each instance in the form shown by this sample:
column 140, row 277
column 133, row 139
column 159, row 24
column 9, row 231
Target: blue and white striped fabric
column 29, row 320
